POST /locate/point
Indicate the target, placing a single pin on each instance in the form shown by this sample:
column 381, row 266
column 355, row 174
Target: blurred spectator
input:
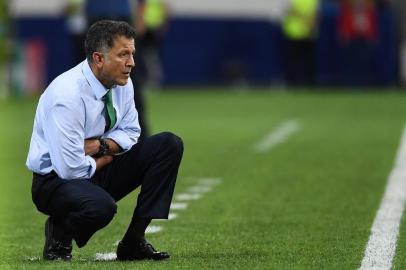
column 119, row 10
column 77, row 26
column 122, row 10
column 300, row 30
column 151, row 23
column 399, row 11
column 358, row 36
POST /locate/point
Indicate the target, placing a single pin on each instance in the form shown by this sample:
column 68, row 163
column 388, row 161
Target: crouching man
column 85, row 156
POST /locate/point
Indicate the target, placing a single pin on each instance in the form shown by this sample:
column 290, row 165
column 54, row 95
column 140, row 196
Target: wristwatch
column 104, row 147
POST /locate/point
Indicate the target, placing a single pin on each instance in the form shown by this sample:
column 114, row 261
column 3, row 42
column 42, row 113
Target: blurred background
column 271, row 43
column 308, row 204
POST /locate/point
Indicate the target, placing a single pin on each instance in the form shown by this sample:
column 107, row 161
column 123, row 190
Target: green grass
column 307, row 204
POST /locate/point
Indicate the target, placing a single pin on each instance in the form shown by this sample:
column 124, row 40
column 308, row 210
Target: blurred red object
column 357, row 19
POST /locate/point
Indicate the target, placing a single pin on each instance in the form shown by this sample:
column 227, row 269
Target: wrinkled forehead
column 123, row 42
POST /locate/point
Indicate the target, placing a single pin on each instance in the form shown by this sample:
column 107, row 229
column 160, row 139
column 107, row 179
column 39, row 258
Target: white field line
column 208, row 182
column 171, row 216
column 153, row 229
column 199, row 189
column 32, row 259
column 381, row 245
column 277, row 136
column 106, row 256
column 187, row 197
column 178, row 206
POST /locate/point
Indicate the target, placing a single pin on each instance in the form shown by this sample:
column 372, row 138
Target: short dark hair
column 101, row 35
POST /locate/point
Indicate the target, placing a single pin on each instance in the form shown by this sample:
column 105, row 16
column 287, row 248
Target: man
column 85, row 156
column 300, row 31
column 151, row 24
column 358, row 36
column 122, row 10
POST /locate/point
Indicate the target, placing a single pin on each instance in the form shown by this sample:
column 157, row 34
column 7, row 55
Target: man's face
column 118, row 62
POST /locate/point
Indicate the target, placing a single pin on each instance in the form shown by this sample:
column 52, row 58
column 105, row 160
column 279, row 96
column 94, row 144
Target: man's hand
column 103, row 161
column 92, row 146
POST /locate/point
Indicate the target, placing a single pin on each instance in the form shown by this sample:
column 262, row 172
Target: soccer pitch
column 305, row 200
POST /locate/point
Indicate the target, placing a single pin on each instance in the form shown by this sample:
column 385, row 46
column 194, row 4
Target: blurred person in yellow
column 85, row 152
column 300, row 27
column 77, row 25
column 151, row 25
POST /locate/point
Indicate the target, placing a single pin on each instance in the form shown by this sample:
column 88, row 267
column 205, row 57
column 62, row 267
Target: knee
column 172, row 142
column 107, row 211
column 102, row 211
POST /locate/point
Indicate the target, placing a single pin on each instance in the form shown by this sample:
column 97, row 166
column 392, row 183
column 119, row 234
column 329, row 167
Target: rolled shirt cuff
column 122, row 139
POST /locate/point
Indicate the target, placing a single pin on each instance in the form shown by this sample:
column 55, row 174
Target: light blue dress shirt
column 71, row 110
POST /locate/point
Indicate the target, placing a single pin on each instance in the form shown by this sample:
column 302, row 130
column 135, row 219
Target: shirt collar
column 97, row 87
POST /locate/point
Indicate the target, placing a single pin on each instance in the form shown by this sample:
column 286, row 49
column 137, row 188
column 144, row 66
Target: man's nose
column 131, row 62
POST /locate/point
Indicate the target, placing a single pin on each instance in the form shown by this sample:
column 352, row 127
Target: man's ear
column 98, row 59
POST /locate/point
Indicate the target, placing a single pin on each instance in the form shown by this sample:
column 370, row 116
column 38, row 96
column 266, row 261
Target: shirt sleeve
column 64, row 132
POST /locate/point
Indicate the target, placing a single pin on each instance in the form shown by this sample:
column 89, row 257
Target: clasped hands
column 91, row 147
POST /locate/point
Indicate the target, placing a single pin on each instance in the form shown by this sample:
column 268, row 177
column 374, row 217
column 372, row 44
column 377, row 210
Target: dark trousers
column 358, row 63
column 300, row 62
column 83, row 206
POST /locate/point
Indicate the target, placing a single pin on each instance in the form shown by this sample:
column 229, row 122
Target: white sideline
column 381, row 245
column 277, row 136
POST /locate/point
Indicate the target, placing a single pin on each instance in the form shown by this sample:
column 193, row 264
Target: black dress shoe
column 58, row 245
column 139, row 251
